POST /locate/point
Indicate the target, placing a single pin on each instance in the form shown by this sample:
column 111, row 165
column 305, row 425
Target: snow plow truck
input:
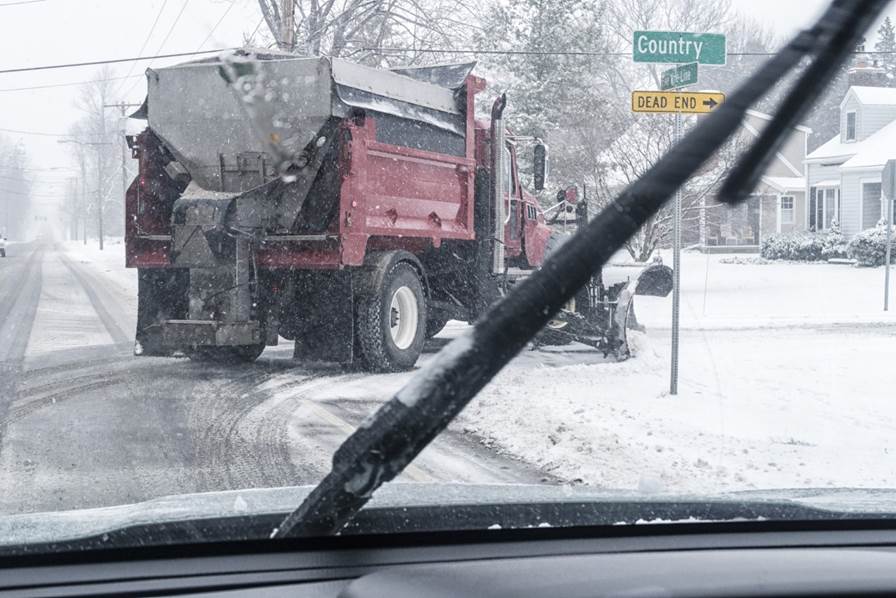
column 353, row 210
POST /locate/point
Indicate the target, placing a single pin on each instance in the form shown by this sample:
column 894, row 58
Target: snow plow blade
column 601, row 317
column 655, row 281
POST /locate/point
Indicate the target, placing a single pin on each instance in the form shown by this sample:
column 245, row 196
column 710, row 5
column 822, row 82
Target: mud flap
column 322, row 318
column 161, row 295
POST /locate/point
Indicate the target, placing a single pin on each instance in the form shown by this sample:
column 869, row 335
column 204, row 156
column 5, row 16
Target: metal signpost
column 692, row 49
column 888, row 186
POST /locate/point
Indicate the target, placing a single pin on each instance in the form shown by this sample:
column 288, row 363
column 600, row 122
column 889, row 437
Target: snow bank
column 109, row 262
column 801, row 409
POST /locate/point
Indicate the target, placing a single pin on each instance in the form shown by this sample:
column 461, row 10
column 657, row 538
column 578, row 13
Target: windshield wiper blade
column 394, row 435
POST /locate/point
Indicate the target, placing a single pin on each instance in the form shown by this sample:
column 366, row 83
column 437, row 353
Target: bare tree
column 635, row 152
column 644, row 138
column 15, row 188
column 368, row 30
column 95, row 139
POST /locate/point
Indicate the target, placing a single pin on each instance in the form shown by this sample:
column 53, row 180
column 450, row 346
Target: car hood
column 61, row 526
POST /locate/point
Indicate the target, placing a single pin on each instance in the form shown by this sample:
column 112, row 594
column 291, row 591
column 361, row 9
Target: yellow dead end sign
column 685, row 102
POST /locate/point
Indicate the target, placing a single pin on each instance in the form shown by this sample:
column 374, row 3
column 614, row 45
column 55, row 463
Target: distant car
column 2, row 246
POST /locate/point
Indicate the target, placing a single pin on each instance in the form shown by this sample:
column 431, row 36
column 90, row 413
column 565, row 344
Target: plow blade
column 605, row 325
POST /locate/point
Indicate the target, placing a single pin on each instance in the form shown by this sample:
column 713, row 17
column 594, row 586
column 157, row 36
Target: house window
column 786, row 209
column 871, row 205
column 850, row 126
column 824, row 207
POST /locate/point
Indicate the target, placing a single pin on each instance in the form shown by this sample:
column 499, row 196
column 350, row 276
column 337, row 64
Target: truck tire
column 227, row 355
column 391, row 322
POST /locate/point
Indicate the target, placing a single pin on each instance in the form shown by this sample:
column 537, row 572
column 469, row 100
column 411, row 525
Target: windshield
column 230, row 235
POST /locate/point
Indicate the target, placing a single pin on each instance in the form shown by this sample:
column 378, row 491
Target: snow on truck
column 353, row 210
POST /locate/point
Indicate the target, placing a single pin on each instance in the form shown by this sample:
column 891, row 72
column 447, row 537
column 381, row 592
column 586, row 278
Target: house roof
column 782, row 184
column 768, row 117
column 874, row 150
column 880, row 96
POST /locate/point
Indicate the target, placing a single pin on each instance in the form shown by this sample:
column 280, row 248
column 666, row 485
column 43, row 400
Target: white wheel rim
column 404, row 316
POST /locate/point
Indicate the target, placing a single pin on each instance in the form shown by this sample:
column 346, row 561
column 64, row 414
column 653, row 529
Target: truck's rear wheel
column 391, row 323
column 227, row 355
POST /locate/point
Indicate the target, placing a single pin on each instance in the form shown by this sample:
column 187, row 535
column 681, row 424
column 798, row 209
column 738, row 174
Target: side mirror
column 541, row 166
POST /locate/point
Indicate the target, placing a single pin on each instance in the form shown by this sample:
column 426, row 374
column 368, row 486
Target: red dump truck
column 353, row 210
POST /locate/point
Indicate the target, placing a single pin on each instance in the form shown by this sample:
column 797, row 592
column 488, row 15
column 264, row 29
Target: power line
column 257, row 27
column 562, row 53
column 38, row 133
column 164, row 41
column 73, row 84
column 109, row 61
column 148, row 37
column 48, row 169
column 210, row 33
column 173, row 25
column 20, row 2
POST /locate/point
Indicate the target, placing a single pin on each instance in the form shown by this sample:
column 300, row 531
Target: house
column 777, row 205
column 844, row 174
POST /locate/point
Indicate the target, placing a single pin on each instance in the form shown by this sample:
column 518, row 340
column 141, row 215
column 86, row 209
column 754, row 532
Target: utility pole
column 99, row 181
column 82, row 162
column 123, row 106
column 73, row 206
column 287, row 25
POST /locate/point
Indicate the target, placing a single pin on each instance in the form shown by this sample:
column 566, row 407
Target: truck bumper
column 170, row 336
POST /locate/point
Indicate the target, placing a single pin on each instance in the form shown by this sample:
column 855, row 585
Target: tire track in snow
column 17, row 315
column 16, row 320
column 87, row 283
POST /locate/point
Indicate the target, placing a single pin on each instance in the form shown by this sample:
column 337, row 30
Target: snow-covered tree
column 885, row 49
column 546, row 55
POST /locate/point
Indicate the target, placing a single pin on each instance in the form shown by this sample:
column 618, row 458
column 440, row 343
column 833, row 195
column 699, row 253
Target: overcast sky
column 62, row 31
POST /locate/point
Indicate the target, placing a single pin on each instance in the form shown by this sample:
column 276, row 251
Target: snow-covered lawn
column 786, row 381
column 720, row 295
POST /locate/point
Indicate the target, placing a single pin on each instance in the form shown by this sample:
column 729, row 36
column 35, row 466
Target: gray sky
column 63, row 31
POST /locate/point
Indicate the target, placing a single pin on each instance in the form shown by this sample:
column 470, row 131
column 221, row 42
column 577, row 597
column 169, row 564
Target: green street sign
column 680, row 76
column 677, row 47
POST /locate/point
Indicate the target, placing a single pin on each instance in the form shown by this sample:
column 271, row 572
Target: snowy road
column 785, row 382
column 83, row 423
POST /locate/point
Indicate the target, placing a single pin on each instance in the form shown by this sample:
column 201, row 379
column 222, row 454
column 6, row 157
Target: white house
column 844, row 174
column 777, row 205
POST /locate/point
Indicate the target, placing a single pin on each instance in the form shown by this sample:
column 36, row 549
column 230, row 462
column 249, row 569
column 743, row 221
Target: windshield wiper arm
column 392, row 437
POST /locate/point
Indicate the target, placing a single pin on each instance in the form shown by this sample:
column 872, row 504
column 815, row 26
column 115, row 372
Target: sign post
column 676, row 273
column 688, row 51
column 888, row 185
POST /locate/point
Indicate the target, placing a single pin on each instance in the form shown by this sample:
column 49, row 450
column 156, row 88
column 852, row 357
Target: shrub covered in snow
column 805, row 246
column 869, row 247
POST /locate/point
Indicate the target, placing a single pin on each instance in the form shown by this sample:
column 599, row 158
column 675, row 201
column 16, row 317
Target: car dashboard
column 691, row 559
